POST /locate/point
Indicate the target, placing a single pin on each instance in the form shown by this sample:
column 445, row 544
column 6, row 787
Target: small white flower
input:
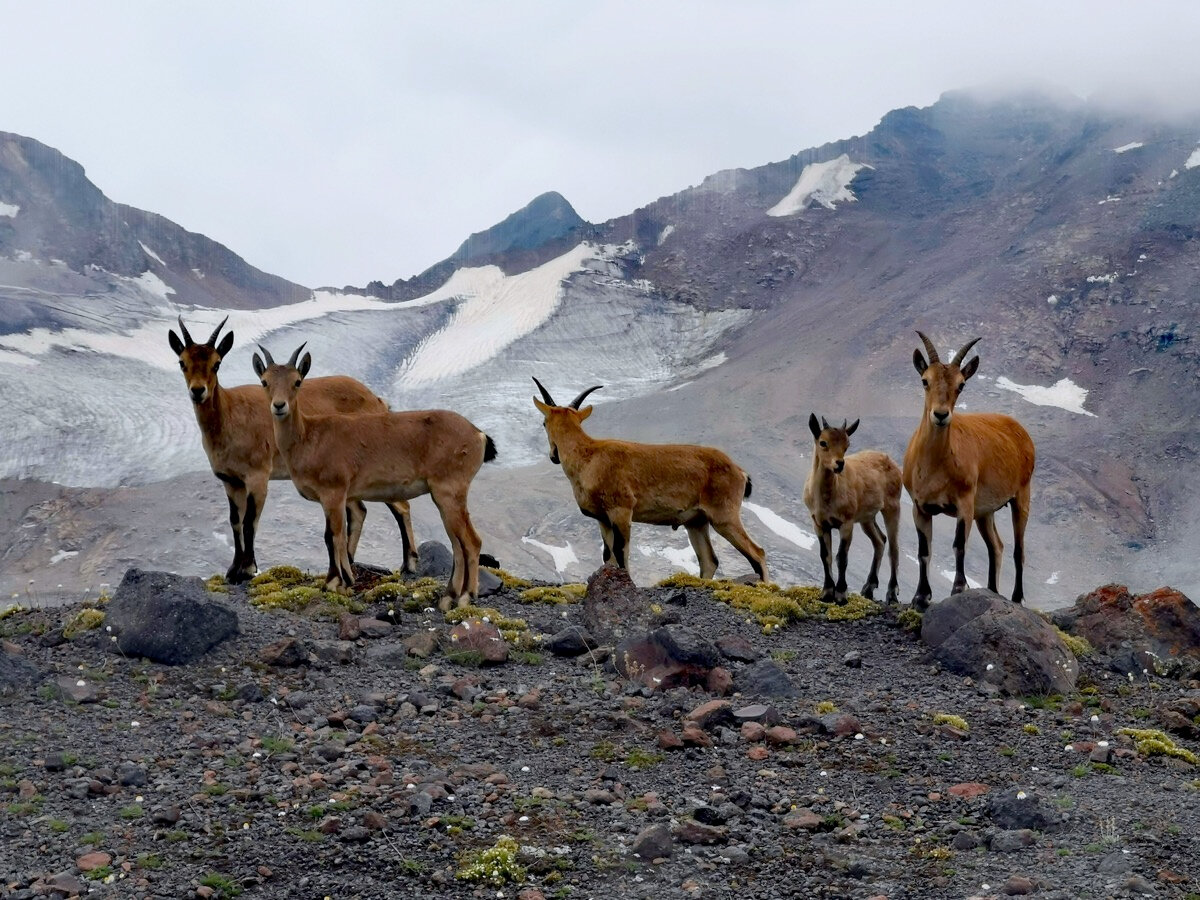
column 1068, row 748
column 523, row 819
column 524, row 768
column 1021, row 795
column 824, row 773
column 1095, row 719
column 135, row 724
column 1102, row 743
column 860, row 736
column 80, row 683
column 990, row 666
column 138, row 799
column 1033, row 768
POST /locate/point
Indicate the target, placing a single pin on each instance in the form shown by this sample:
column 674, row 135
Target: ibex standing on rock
column 618, row 483
column 966, row 465
column 235, row 426
column 390, row 456
column 843, row 491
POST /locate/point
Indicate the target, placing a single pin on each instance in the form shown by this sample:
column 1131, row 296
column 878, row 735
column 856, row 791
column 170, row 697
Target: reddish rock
column 753, row 731
column 781, row 735
column 348, row 629
column 94, row 860
column 1158, row 632
column 758, row 753
column 1018, row 886
column 689, row 831
column 719, row 682
column 695, row 736
column 478, row 636
column 285, row 653
column 968, row 789
column 669, row 740
column 803, row 818
column 711, row 714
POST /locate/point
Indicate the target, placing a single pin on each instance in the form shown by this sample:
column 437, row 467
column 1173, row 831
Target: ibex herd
column 341, row 445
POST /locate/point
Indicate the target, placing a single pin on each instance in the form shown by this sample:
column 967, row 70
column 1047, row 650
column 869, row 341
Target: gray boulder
column 168, row 618
column 16, row 672
column 1000, row 644
column 436, row 560
column 614, row 607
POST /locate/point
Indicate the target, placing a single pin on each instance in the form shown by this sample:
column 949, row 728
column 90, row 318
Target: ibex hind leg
column 356, row 513
column 702, row 544
column 995, row 547
column 403, row 516
column 1020, row 508
column 871, row 530
column 463, row 585
column 733, row 532
column 891, row 521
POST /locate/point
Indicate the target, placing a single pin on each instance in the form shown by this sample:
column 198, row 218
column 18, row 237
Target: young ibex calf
column 235, row 428
column 967, row 465
column 389, row 456
column 618, row 483
column 843, row 491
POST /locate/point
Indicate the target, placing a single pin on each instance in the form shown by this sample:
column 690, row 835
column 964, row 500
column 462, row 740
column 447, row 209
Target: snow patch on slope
column 683, row 557
column 1192, row 161
column 562, row 556
column 150, row 253
column 495, row 311
column 1064, row 394
column 826, row 183
column 789, row 531
column 1125, row 148
column 9, row 209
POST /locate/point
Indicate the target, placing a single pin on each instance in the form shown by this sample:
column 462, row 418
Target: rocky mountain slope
column 1061, row 233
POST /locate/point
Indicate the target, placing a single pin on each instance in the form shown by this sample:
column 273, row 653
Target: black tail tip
column 489, row 449
column 749, row 486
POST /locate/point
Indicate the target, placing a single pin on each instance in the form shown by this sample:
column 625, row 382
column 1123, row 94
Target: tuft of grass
column 84, row 620
column 412, row 596
column 604, row 751
column 495, row 865
column 952, row 720
column 224, row 885
column 1156, row 743
column 1030, row 728
column 909, row 619
column 494, row 616
column 642, row 759
column 286, row 587
column 217, row 585
column 560, row 595
column 825, row 706
column 133, row 811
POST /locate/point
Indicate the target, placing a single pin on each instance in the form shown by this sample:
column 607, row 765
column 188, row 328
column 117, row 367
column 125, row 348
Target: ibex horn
column 187, row 338
column 929, row 348
column 546, row 398
column 961, row 354
column 212, row 341
column 575, row 403
column 266, row 355
column 296, row 355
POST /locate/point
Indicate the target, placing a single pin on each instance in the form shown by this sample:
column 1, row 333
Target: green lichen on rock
column 1079, row 646
column 493, row 616
column 775, row 607
column 217, row 585
column 1155, row 743
column 412, row 595
column 952, row 720
column 84, row 620
column 509, row 580
column 495, row 866
column 559, row 595
column 286, row 587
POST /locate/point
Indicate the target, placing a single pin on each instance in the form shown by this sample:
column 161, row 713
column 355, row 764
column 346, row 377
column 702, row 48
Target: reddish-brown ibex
column 389, row 456
column 843, row 491
column 966, row 465
column 235, row 428
column 618, row 483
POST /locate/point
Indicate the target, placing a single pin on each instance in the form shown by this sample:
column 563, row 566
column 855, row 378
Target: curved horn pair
column 291, row 362
column 933, row 354
column 574, row 404
column 212, row 341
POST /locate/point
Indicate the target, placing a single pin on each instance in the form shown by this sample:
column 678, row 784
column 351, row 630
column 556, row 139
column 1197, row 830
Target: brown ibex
column 620, row 482
column 235, row 427
column 391, row 456
column 967, row 465
column 843, row 491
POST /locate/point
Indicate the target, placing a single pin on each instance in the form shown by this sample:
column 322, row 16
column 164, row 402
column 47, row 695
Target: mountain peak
column 547, row 217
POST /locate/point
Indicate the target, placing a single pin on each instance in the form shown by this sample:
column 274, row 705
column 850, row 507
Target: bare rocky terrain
column 324, row 753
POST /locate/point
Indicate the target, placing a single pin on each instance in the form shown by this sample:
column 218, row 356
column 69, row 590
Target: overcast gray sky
column 336, row 143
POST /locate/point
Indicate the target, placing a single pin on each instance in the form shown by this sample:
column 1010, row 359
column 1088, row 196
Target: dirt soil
column 386, row 775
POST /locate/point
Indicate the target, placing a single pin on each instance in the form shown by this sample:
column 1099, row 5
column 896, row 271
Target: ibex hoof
column 445, row 603
column 868, row 590
column 410, row 564
column 827, row 596
column 893, row 598
column 920, row 602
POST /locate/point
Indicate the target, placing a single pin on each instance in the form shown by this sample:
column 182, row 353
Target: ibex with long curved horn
column 967, row 465
column 235, row 427
column 391, row 456
column 843, row 491
column 618, row 483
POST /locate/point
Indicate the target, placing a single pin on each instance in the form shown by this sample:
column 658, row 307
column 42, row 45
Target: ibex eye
column 925, row 381
column 181, row 364
column 297, row 382
column 264, row 384
column 823, row 444
column 216, row 366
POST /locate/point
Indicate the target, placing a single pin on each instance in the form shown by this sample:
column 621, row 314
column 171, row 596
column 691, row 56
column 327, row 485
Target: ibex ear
column 305, row 365
column 226, row 345
column 850, row 430
column 175, row 342
column 970, row 368
column 259, row 368
column 919, row 362
column 542, row 407
column 813, row 425
column 585, row 412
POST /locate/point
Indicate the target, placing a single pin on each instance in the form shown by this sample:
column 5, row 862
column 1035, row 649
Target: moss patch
column 286, row 587
column 555, row 596
column 413, row 596
column 1078, row 646
column 773, row 606
column 952, row 720
column 84, row 620
column 217, row 585
column 510, row 580
column 1156, row 743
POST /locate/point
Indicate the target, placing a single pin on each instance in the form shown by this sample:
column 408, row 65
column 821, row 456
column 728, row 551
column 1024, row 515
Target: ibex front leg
column 340, row 578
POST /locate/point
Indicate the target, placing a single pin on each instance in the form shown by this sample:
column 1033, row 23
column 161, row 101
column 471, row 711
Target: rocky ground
column 326, row 753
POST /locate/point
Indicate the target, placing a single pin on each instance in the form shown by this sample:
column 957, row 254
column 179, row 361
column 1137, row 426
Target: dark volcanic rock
column 168, row 618
column 614, row 607
column 436, row 560
column 666, row 657
column 999, row 643
column 1157, row 632
column 764, row 679
column 1015, row 809
column 16, row 672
